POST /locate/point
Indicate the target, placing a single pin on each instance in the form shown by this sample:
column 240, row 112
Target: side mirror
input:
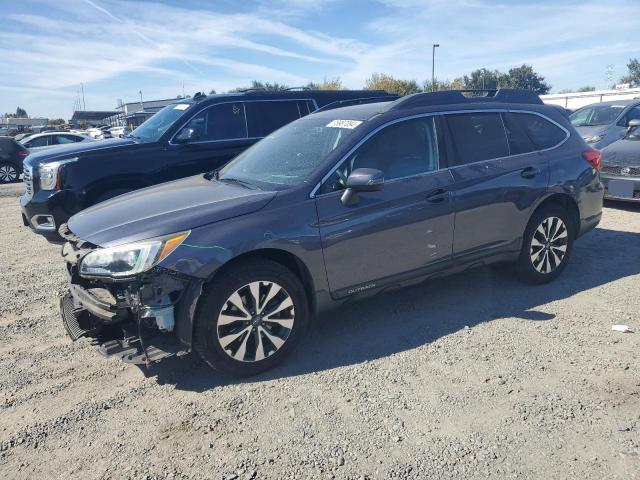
column 632, row 125
column 186, row 135
column 362, row 180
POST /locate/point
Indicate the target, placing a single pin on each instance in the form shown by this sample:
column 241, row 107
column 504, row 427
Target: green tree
column 455, row 84
column 587, row 88
column 383, row 81
column 485, row 79
column 258, row 85
column 56, row 121
column 212, row 92
column 525, row 77
column 634, row 72
column 327, row 84
column 21, row 113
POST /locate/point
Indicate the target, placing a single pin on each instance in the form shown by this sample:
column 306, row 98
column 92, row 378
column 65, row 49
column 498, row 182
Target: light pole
column 141, row 103
column 433, row 67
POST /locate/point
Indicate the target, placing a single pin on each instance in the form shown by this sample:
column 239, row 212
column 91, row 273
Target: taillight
column 594, row 157
column 23, row 153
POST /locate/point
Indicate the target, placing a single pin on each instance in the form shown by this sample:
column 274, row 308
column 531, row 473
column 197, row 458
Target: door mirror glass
column 362, row 180
column 187, row 134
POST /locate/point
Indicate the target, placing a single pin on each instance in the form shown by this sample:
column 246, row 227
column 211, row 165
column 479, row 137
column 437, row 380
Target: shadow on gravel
column 405, row 319
column 626, row 206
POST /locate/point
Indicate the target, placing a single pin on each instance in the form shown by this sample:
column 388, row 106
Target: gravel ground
column 473, row 376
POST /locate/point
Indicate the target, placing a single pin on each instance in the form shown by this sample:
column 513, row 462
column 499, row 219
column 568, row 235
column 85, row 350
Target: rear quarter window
column 543, row 133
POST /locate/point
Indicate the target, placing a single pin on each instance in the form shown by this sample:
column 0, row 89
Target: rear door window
column 225, row 121
column 62, row 139
column 519, row 141
column 477, row 137
column 268, row 116
column 40, row 141
column 542, row 132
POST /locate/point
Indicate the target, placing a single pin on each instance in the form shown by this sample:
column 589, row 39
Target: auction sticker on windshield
column 181, row 106
column 344, row 123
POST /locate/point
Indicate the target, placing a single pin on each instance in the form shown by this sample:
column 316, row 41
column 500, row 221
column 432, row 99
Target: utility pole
column 141, row 104
column 433, row 67
column 84, row 105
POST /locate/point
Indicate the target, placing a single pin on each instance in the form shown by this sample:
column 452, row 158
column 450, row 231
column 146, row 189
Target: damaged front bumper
column 140, row 319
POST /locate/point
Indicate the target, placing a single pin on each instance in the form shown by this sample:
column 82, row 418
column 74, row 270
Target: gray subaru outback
column 336, row 206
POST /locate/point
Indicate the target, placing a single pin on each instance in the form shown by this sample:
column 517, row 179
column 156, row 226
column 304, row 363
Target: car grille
column 617, row 170
column 27, row 175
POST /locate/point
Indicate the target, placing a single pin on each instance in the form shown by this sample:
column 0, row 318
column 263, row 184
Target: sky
column 117, row 48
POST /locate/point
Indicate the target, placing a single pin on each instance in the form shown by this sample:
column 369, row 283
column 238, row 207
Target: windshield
column 289, row 155
column 595, row 115
column 152, row 129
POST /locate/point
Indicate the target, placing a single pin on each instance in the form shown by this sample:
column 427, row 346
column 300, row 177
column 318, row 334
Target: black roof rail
column 289, row 89
column 355, row 101
column 445, row 97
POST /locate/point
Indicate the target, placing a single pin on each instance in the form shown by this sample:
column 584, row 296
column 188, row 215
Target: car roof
column 624, row 102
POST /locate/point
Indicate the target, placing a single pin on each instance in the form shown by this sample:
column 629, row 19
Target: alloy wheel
column 8, row 173
column 255, row 321
column 549, row 245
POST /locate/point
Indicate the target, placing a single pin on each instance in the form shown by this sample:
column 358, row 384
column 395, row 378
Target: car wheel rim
column 549, row 245
column 8, row 173
column 255, row 321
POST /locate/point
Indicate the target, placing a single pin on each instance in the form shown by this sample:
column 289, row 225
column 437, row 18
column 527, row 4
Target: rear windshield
column 287, row 157
column 595, row 115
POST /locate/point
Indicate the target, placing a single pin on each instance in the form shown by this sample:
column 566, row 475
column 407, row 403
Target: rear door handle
column 437, row 196
column 529, row 172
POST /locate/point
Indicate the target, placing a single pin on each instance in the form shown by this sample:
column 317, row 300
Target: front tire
column 546, row 245
column 8, row 173
column 250, row 318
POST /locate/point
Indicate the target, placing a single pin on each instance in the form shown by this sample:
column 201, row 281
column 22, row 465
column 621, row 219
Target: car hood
column 586, row 131
column 623, row 153
column 163, row 209
column 60, row 152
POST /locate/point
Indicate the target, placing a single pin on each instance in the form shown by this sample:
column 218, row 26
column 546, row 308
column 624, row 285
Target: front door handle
column 437, row 196
column 529, row 172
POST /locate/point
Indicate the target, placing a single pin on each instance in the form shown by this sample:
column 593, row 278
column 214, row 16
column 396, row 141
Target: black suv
column 332, row 207
column 191, row 136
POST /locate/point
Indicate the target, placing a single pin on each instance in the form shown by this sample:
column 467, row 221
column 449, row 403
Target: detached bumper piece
column 131, row 349
column 74, row 319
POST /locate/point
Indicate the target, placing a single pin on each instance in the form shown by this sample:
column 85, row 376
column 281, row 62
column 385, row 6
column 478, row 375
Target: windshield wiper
column 237, row 181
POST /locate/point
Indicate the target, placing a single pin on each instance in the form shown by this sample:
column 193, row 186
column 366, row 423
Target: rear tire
column 8, row 173
column 546, row 245
column 250, row 318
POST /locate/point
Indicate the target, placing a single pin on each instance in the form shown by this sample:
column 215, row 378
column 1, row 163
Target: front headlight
column 129, row 259
column 593, row 138
column 49, row 174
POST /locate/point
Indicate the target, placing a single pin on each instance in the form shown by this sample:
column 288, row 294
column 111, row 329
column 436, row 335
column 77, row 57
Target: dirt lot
column 473, row 376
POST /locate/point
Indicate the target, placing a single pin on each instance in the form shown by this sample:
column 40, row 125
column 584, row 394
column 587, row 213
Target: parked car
column 39, row 141
column 95, row 133
column 119, row 132
column 12, row 155
column 621, row 166
column 22, row 136
column 188, row 137
column 333, row 207
column 601, row 124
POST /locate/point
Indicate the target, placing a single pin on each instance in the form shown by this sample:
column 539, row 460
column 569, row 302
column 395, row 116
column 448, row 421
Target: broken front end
column 133, row 308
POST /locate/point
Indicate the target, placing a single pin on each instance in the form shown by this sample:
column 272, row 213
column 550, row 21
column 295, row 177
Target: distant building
column 133, row 114
column 576, row 100
column 11, row 123
column 89, row 117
